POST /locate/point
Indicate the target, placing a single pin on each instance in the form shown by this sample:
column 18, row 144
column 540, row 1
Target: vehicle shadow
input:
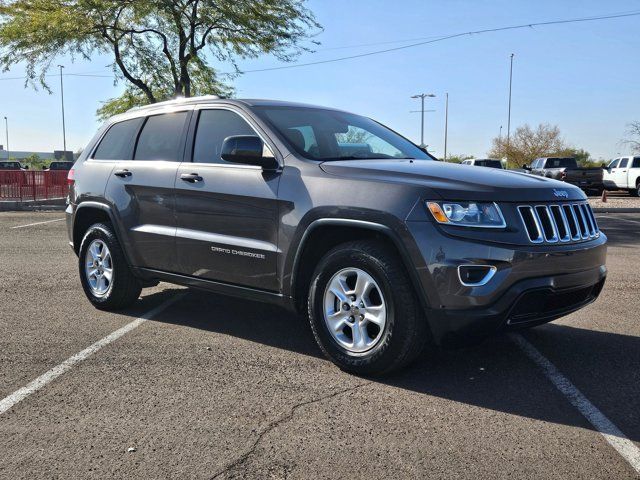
column 493, row 375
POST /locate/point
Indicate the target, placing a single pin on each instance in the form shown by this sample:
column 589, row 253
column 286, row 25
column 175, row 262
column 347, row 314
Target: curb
column 615, row 210
column 17, row 206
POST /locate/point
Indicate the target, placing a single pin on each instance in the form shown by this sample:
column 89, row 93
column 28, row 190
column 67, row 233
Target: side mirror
column 526, row 167
column 248, row 150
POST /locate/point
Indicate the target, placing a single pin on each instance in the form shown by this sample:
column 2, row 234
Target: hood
column 451, row 181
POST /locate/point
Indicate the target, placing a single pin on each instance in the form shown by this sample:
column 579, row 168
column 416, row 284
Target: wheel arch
column 88, row 213
column 324, row 234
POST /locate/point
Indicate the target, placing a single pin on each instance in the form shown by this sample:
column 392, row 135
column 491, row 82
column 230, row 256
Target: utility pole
column 6, row 126
column 64, row 133
column 500, row 134
column 446, row 125
column 509, row 115
column 422, row 96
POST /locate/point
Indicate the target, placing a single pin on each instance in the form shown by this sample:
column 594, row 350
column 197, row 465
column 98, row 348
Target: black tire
column 405, row 332
column 124, row 288
column 635, row 192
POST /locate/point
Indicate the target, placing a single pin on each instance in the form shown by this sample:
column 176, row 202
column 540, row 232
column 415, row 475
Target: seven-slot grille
column 564, row 222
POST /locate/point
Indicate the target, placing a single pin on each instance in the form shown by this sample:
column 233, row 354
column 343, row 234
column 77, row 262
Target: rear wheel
column 363, row 310
column 635, row 192
column 106, row 278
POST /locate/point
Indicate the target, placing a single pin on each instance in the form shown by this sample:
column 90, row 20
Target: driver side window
column 213, row 127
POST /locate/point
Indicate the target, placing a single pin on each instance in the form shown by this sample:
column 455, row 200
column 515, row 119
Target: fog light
column 476, row 275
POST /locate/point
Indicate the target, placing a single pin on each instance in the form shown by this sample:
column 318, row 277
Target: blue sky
column 583, row 77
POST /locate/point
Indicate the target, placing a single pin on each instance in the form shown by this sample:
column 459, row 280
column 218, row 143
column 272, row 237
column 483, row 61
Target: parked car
column 11, row 165
column 567, row 170
column 623, row 174
column 383, row 248
column 483, row 162
column 59, row 166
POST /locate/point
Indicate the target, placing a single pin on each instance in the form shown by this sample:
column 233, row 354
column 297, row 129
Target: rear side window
column 623, row 163
column 160, row 138
column 213, row 127
column 117, row 144
column 636, row 162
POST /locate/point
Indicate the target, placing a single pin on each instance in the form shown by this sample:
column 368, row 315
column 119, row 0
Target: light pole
column 500, row 134
column 446, row 125
column 6, row 126
column 509, row 115
column 422, row 96
column 64, row 133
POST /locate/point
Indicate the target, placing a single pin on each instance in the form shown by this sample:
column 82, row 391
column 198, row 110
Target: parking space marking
column 612, row 434
column 55, row 372
column 38, row 223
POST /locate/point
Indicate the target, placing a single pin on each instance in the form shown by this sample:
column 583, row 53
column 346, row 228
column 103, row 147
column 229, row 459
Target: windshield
column 324, row 135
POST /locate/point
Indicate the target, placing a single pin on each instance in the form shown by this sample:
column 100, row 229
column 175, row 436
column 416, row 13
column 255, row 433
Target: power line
column 448, row 37
column 424, row 41
column 57, row 75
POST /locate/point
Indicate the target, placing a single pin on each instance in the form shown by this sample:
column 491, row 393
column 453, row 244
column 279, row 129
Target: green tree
column 161, row 48
column 458, row 158
column 527, row 144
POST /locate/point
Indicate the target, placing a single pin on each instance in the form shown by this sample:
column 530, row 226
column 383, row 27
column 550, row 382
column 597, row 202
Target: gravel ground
column 213, row 387
column 615, row 200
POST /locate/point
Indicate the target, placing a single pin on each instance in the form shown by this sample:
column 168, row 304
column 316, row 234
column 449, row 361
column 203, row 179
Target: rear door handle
column 191, row 177
column 122, row 173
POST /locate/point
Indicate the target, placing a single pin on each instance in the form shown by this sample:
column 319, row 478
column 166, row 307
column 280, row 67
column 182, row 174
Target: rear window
column 160, row 137
column 60, row 165
column 117, row 144
column 10, row 165
column 489, row 163
column 560, row 163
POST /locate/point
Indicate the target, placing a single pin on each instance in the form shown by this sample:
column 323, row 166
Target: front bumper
column 532, row 284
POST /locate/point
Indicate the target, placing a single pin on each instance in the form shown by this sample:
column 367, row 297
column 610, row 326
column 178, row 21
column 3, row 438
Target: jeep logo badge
column 560, row 193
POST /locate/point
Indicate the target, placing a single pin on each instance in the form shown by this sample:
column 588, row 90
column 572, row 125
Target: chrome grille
column 559, row 223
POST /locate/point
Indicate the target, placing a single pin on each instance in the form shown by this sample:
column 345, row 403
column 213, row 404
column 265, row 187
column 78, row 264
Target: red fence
column 33, row 185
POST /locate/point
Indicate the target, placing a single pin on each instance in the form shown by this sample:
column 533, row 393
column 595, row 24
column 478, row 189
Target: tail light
column 71, row 177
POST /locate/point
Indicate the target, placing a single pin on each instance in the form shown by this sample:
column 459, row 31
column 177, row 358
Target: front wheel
column 106, row 278
column 363, row 310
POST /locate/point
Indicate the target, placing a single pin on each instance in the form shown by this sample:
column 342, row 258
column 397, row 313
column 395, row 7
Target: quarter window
column 160, row 137
column 213, row 127
column 117, row 144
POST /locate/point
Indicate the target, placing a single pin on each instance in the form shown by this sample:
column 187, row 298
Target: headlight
column 467, row 214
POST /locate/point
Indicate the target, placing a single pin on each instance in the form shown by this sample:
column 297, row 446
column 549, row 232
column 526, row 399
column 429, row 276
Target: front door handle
column 191, row 177
column 122, row 173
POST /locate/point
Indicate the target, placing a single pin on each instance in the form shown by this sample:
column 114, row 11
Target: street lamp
column 64, row 133
column 422, row 96
column 6, row 126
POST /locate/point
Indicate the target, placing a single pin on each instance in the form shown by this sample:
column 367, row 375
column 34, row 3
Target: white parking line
column 617, row 218
column 55, row 372
column 38, row 223
column 607, row 429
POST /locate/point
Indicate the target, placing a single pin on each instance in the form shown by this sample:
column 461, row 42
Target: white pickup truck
column 623, row 174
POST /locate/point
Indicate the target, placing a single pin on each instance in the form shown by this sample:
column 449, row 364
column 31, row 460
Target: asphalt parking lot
column 209, row 387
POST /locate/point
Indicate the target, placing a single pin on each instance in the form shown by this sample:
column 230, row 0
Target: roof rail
column 176, row 101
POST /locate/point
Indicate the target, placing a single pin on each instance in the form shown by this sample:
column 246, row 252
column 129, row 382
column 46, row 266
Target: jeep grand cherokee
column 332, row 214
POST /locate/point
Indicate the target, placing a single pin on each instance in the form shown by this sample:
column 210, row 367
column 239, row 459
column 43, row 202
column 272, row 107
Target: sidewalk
column 17, row 206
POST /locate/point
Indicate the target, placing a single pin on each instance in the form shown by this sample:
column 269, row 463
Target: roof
column 212, row 99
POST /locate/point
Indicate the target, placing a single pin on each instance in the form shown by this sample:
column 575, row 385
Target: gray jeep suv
column 330, row 213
